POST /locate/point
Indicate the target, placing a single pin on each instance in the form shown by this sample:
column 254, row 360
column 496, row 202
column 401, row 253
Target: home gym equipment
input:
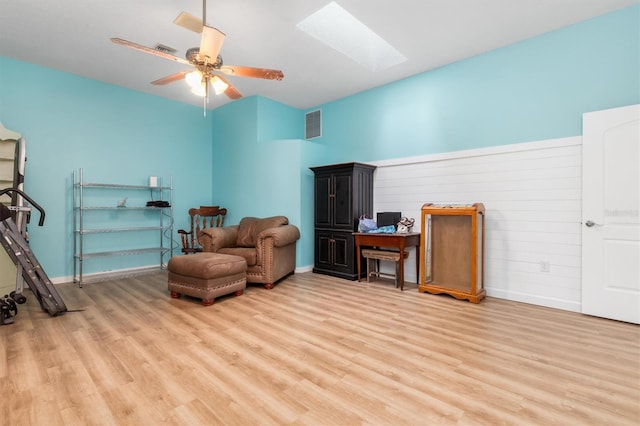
column 28, row 267
column 8, row 309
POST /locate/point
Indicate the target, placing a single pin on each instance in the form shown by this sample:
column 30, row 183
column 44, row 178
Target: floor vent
column 313, row 125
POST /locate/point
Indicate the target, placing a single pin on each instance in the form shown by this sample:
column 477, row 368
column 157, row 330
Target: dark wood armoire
column 343, row 192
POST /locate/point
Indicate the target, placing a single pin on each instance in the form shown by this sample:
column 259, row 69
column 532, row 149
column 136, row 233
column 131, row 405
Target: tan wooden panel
column 451, row 248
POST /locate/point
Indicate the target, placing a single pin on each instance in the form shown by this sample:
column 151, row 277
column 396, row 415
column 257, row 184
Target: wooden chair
column 201, row 218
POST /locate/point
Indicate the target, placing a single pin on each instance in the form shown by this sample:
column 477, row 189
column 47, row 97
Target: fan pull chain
column 205, row 101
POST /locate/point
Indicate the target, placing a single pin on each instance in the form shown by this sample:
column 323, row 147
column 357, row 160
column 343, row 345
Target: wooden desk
column 399, row 241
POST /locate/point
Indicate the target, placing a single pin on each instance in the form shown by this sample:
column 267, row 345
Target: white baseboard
column 301, row 269
column 101, row 276
column 566, row 305
column 125, row 272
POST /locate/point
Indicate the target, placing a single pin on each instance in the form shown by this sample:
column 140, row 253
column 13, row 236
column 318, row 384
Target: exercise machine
column 29, row 269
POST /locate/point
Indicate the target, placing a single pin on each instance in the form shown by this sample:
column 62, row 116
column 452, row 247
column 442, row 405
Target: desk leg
column 418, row 263
column 401, row 260
column 358, row 260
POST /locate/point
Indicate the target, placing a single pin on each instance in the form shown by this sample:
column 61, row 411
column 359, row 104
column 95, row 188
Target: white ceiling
column 73, row 36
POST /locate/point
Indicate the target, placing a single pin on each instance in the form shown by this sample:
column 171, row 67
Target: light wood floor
column 314, row 350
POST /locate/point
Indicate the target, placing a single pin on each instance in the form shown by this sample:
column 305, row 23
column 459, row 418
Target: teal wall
column 249, row 155
column 256, row 164
column 533, row 90
column 256, row 161
column 116, row 135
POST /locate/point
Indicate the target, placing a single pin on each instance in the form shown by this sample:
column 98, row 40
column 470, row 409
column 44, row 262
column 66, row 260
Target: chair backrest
column 202, row 218
column 211, row 217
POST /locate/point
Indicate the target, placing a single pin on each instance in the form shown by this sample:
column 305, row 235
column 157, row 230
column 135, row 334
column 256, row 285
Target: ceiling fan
column 205, row 59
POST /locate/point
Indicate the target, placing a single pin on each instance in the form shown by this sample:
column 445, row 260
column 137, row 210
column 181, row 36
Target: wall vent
column 164, row 48
column 313, row 125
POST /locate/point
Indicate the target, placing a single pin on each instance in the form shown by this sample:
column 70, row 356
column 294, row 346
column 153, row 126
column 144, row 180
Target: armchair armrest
column 281, row 235
column 213, row 239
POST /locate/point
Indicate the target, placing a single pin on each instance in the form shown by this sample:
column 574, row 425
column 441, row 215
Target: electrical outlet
column 544, row 266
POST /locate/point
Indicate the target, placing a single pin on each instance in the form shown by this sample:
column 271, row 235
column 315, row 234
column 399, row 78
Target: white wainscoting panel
column 532, row 196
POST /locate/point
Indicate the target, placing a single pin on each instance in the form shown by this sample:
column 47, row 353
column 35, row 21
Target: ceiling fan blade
column 265, row 73
column 211, row 43
column 188, row 21
column 231, row 91
column 149, row 50
column 170, row 78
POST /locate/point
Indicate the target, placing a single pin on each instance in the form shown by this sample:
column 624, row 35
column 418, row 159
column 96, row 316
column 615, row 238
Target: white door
column 611, row 214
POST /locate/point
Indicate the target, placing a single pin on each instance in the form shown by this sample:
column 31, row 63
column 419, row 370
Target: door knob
column 590, row 223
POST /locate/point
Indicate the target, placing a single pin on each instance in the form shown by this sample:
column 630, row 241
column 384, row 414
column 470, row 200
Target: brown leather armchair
column 268, row 245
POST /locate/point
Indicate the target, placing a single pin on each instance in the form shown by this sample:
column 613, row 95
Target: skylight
column 343, row 32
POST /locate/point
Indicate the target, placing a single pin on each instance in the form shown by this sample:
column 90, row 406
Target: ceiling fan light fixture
column 205, row 59
column 219, row 86
column 194, row 79
column 199, row 90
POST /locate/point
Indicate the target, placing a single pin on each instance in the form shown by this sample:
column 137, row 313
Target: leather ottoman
column 207, row 276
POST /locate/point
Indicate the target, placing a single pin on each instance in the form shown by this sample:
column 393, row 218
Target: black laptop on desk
column 388, row 218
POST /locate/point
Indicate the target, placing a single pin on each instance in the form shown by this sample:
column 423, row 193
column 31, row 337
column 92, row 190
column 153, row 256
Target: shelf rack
column 161, row 221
